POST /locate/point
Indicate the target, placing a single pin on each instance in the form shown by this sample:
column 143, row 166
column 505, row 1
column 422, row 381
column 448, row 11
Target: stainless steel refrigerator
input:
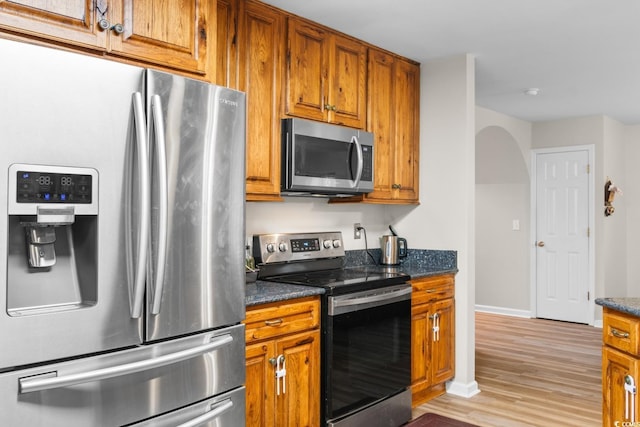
column 121, row 244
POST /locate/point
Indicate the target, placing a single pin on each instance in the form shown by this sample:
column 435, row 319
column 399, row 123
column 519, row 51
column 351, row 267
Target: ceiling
column 583, row 55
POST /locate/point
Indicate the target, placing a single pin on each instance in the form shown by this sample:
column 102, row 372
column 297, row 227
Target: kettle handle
column 402, row 247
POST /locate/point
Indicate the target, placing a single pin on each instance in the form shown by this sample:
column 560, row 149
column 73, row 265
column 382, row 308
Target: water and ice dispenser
column 52, row 238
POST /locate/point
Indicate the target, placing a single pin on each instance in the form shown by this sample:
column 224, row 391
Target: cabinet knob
column 103, row 24
column 396, row 186
column 117, row 28
column 540, row 244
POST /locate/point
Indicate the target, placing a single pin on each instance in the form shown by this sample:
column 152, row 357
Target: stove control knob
column 283, row 247
column 271, row 247
column 327, row 244
column 336, row 243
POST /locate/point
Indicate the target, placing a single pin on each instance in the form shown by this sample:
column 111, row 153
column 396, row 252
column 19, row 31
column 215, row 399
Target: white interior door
column 562, row 235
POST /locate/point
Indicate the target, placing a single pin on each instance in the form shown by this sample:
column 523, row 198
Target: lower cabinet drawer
column 271, row 320
column 430, row 289
column 621, row 331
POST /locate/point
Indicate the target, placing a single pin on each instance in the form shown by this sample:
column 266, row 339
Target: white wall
column 614, row 242
column 631, row 197
column 502, row 198
column 445, row 217
column 502, row 195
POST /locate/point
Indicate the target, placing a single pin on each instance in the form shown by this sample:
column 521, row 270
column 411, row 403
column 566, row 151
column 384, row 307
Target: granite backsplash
column 427, row 259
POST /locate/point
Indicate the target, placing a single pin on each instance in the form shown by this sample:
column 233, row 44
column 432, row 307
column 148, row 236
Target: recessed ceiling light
column 532, row 91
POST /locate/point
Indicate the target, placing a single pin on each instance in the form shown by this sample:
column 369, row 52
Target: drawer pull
column 616, row 333
column 430, row 291
column 275, row 322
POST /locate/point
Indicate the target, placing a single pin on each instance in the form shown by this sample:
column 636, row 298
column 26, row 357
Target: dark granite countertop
column 418, row 263
column 262, row 292
column 625, row 305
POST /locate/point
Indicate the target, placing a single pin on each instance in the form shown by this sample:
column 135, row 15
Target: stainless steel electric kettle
column 393, row 248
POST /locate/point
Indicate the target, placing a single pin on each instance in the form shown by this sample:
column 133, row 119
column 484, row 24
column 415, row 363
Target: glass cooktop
column 345, row 280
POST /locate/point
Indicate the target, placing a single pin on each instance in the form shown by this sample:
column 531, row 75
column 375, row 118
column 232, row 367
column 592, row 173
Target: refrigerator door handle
column 47, row 382
column 144, row 208
column 216, row 410
column 161, row 156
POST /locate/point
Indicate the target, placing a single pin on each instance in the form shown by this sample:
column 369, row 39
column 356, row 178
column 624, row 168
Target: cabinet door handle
column 616, row 333
column 436, row 326
column 630, row 398
column 281, row 372
column 274, row 322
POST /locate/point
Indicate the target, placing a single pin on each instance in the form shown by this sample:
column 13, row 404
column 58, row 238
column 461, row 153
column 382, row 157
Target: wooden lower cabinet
column 283, row 336
column 620, row 369
column 432, row 336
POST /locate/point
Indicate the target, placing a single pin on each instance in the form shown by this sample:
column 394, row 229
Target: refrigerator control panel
column 33, row 187
column 47, row 187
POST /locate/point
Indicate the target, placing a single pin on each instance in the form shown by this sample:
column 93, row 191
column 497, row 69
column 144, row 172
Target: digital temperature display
column 305, row 245
column 45, row 187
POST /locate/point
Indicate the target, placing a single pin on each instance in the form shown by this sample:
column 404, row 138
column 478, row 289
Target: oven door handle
column 347, row 304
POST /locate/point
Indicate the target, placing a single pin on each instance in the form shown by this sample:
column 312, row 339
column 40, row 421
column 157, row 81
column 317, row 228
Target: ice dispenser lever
column 41, row 234
column 40, row 246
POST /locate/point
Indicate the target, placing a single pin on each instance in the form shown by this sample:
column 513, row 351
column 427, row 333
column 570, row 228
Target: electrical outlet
column 357, row 231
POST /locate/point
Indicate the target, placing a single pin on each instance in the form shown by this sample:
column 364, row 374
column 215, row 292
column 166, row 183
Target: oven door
column 368, row 349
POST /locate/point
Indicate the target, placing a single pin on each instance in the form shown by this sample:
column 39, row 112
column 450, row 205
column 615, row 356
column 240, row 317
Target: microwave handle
column 354, row 140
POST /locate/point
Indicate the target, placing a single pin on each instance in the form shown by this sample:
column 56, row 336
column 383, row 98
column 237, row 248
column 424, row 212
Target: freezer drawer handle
column 216, row 410
column 38, row 383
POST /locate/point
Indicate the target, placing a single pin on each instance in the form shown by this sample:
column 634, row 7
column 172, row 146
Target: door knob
column 541, row 244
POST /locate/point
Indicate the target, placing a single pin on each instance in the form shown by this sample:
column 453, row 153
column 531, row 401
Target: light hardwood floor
column 531, row 372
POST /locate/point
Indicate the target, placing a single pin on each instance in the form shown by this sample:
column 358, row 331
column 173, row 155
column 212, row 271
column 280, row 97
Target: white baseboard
column 503, row 311
column 463, row 390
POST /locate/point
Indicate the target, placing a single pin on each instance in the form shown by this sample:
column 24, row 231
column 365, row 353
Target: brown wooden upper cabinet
column 171, row 33
column 393, row 117
column 251, row 42
column 326, row 75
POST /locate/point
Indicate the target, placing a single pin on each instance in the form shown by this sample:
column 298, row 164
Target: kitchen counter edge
column 625, row 305
column 263, row 292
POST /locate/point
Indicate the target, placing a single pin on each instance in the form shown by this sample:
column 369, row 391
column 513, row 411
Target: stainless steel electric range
column 366, row 327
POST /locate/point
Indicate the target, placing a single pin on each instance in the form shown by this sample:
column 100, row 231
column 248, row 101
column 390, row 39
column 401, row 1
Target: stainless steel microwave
column 324, row 159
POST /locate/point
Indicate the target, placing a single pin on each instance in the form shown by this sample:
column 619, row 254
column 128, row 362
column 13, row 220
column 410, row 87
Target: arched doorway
column 502, row 224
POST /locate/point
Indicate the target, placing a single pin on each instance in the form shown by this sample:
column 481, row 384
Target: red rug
column 435, row 420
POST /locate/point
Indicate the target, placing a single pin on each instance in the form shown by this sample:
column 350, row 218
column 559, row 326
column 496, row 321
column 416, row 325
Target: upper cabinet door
column 307, row 71
column 326, row 75
column 70, row 21
column 407, row 130
column 347, row 95
column 172, row 33
column 261, row 53
column 393, row 117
